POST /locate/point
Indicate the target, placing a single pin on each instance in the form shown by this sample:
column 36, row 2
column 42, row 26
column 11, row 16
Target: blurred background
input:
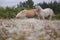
column 9, row 8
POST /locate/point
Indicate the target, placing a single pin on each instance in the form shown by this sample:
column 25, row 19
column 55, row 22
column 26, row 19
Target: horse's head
column 38, row 8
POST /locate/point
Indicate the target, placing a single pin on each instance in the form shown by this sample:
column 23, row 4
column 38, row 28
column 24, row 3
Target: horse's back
column 29, row 13
column 49, row 10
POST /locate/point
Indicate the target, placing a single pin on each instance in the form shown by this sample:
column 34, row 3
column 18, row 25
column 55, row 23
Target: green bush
column 58, row 16
column 8, row 12
column 12, row 12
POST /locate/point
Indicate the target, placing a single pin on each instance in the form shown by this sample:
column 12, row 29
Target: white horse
column 27, row 13
column 45, row 12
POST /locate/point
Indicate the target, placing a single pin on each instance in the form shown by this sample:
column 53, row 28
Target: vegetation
column 10, row 12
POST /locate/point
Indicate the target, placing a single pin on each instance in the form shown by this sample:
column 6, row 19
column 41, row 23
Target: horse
column 27, row 13
column 45, row 12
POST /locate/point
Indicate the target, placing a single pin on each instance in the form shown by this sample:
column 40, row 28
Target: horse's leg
column 43, row 17
column 50, row 17
column 38, row 16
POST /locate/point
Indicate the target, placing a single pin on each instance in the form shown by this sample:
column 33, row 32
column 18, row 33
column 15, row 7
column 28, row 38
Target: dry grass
column 29, row 29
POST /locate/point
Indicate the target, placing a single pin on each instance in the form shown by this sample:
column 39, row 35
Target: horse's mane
column 39, row 8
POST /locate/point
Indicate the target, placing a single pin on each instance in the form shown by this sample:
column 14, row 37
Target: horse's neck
column 40, row 10
column 39, row 7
